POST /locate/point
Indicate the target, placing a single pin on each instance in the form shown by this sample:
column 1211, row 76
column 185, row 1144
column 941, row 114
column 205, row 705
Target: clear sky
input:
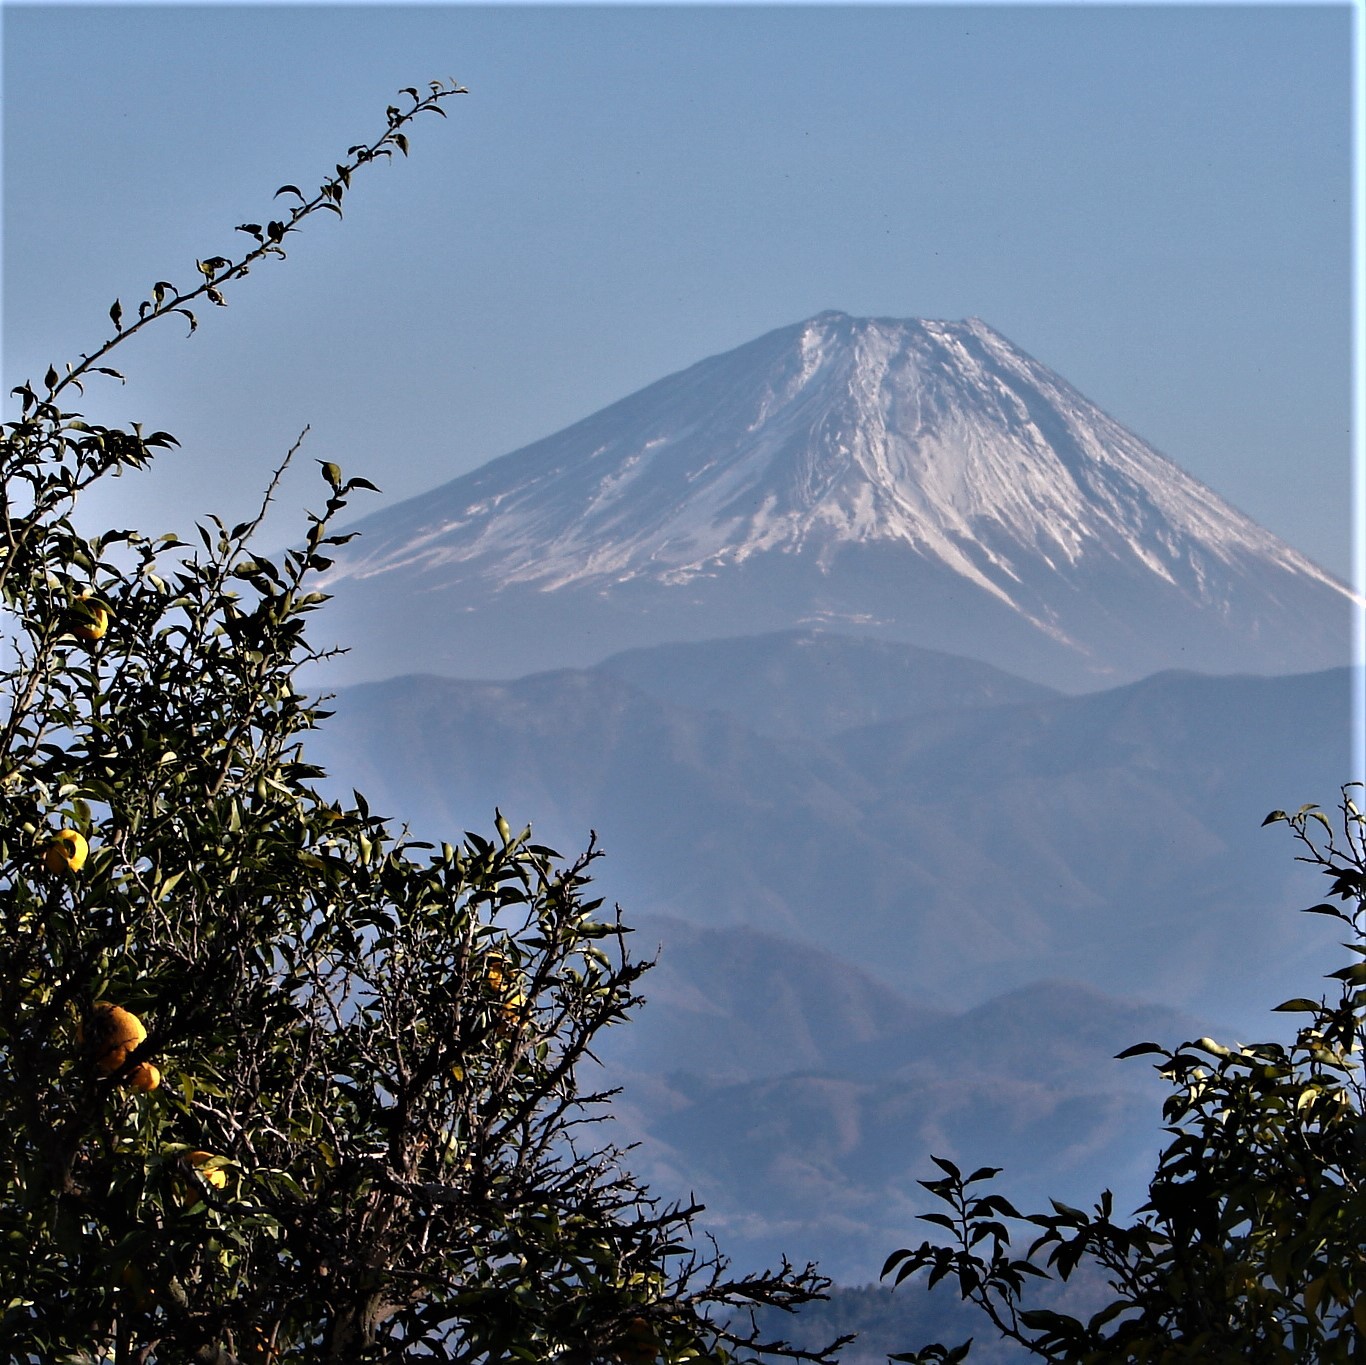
column 1154, row 201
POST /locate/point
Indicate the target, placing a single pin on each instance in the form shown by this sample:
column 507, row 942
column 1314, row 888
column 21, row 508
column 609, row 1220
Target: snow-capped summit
column 924, row 479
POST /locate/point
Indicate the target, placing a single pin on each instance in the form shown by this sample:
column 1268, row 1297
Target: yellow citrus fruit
column 112, row 1034
column 134, row 1280
column 495, row 972
column 217, row 1177
column 66, row 853
column 145, row 1076
column 513, row 1008
column 638, row 1344
column 257, row 1347
column 91, row 620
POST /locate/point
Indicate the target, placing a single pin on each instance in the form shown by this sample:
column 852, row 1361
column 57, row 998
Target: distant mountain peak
column 939, row 443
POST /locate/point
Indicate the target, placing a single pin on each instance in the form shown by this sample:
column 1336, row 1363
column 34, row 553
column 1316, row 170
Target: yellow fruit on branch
column 258, row 1347
column 513, row 1010
column 502, row 980
column 495, row 972
column 134, row 1280
column 145, row 1076
column 638, row 1344
column 214, row 1175
column 66, row 853
column 111, row 1033
column 90, row 619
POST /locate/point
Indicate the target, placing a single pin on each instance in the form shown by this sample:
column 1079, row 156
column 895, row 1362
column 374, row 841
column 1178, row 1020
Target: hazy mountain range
column 930, row 932
column 868, row 649
column 953, row 851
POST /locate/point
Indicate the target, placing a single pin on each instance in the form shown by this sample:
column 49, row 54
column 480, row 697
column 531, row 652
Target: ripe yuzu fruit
column 66, row 853
column 111, row 1033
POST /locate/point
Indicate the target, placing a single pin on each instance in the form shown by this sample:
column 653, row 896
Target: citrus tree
column 278, row 1083
column 1252, row 1245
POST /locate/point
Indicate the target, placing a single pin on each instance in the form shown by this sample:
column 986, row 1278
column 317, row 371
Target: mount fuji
column 906, row 896
column 923, row 481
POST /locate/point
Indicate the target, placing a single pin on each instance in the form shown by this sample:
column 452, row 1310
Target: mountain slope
column 907, row 937
column 1111, row 838
column 814, row 684
column 924, row 480
column 799, row 1097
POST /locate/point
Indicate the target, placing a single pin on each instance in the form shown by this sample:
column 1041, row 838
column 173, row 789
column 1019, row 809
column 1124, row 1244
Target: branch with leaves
column 278, row 1084
column 1252, row 1244
column 164, row 299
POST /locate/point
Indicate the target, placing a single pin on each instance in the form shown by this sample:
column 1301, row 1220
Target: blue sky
column 1154, row 201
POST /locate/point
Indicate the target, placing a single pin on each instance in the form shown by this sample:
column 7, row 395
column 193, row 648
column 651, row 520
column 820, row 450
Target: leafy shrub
column 276, row 1082
column 1252, row 1245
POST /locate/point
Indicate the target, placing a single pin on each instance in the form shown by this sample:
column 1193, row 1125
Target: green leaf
column 1140, row 1050
column 983, row 1173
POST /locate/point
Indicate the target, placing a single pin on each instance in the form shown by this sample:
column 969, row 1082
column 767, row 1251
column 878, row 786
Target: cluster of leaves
column 1252, row 1245
column 346, row 1121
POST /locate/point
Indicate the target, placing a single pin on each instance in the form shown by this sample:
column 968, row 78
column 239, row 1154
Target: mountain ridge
column 1023, row 839
column 930, row 933
column 926, row 481
column 815, row 683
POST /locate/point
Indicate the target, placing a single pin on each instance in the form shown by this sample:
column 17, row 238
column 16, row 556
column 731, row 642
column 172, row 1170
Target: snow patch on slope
column 941, row 437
